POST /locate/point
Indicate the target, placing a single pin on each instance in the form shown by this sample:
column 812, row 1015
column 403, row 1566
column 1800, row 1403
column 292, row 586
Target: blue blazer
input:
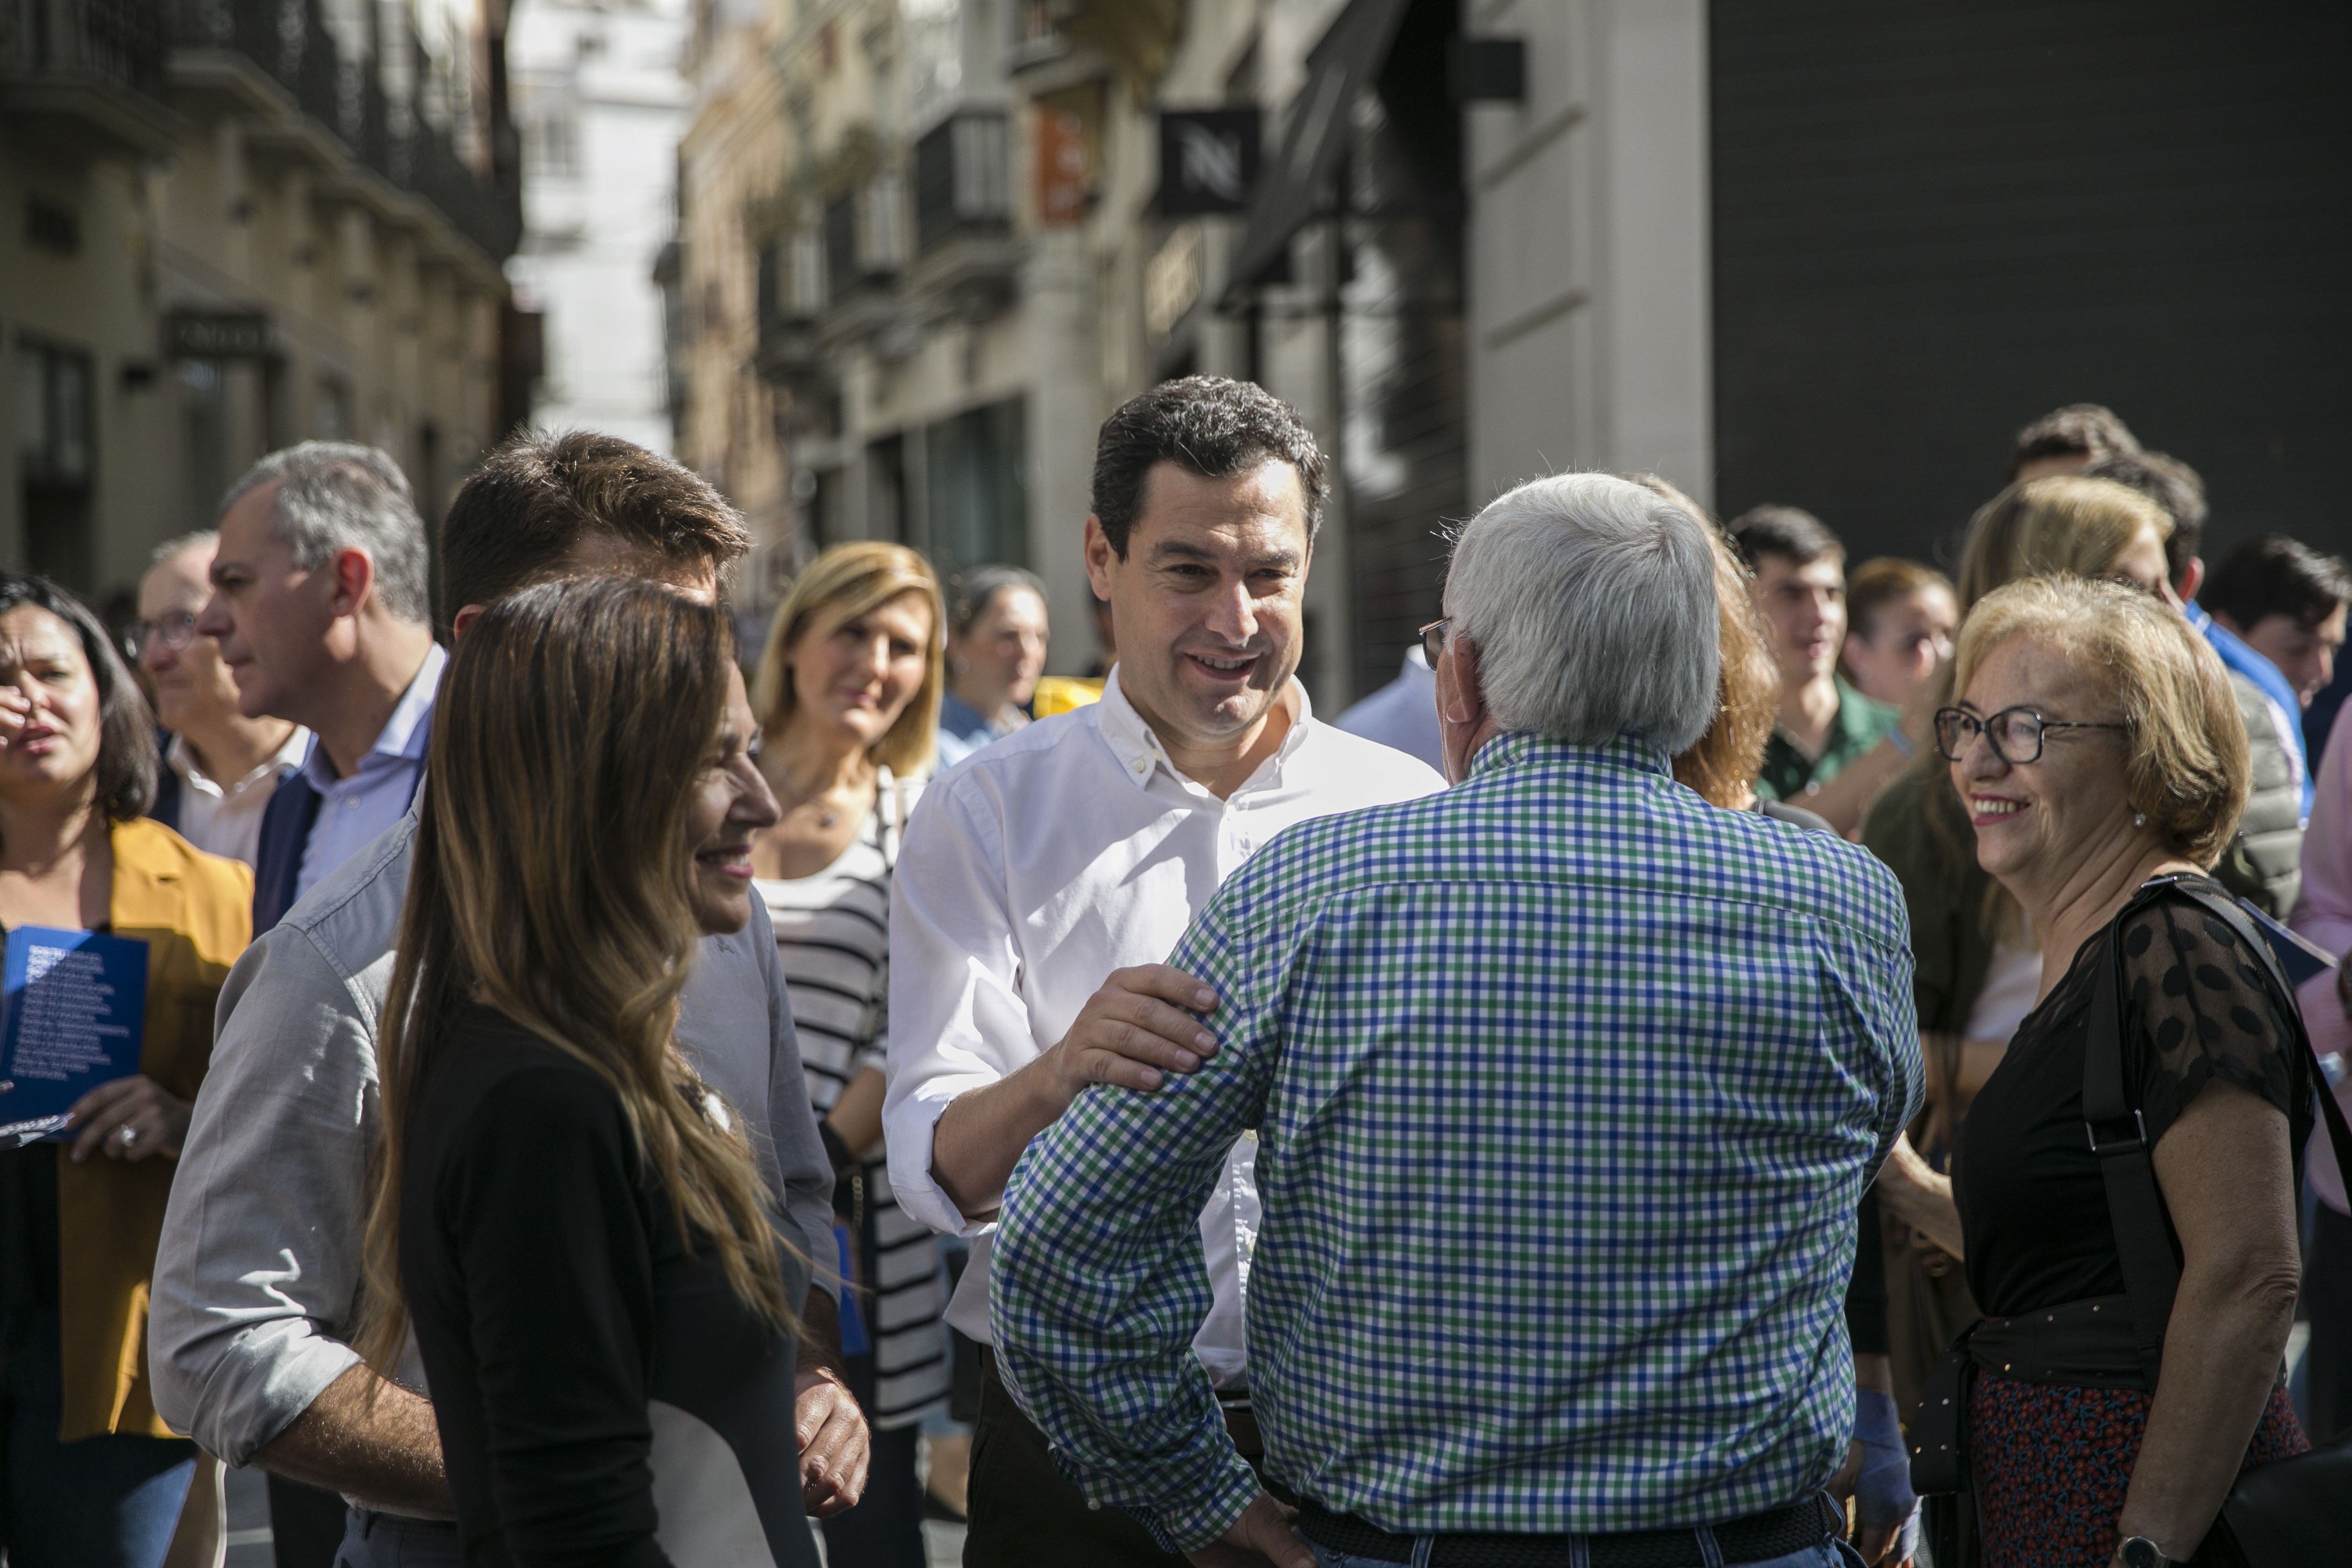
column 285, row 824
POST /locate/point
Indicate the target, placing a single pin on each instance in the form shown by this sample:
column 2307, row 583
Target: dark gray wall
column 1934, row 222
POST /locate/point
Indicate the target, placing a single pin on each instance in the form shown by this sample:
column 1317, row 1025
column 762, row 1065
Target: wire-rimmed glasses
column 175, row 631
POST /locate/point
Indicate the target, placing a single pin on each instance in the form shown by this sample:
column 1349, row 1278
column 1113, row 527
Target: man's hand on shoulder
column 1262, row 1536
column 1135, row 1031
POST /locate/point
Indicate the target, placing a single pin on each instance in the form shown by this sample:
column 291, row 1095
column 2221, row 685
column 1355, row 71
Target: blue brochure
column 76, row 1009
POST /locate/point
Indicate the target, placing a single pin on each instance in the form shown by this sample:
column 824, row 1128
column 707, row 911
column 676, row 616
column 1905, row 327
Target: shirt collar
column 403, row 735
column 1139, row 753
column 181, row 760
column 1628, row 753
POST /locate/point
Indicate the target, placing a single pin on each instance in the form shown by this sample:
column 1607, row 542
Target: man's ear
column 1461, row 698
column 2192, row 577
column 1099, row 556
column 354, row 578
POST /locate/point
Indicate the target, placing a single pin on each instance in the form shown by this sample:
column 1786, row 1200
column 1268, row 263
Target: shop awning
column 1314, row 135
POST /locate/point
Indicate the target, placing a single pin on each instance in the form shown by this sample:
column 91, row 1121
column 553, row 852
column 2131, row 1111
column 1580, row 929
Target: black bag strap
column 2118, row 1132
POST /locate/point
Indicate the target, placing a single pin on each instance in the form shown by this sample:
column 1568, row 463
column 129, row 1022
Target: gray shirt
column 258, row 1271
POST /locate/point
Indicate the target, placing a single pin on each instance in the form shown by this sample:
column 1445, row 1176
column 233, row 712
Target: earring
column 2139, row 819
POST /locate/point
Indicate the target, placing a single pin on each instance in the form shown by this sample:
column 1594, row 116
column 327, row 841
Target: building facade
column 234, row 224
column 599, row 107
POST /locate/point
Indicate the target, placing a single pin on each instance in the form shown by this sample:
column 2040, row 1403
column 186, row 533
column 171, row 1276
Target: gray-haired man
column 320, row 606
column 1566, row 1086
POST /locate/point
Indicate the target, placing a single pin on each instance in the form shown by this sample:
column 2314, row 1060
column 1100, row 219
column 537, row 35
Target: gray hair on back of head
column 335, row 496
column 1591, row 600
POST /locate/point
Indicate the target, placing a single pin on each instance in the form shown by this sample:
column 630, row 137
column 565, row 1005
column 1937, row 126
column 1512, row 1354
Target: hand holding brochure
column 77, row 1005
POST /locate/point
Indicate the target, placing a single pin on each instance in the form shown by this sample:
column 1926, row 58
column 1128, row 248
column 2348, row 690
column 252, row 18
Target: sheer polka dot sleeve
column 2198, row 1007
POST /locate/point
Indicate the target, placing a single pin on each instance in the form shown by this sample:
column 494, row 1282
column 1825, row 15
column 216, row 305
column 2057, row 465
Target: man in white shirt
column 321, row 607
column 1043, row 880
column 220, row 766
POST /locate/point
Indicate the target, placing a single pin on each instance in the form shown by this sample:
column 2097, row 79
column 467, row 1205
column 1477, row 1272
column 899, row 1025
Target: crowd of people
column 1725, row 1045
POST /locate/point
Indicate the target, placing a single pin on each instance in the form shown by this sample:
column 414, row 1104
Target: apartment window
column 56, row 459
column 961, row 177
column 551, row 141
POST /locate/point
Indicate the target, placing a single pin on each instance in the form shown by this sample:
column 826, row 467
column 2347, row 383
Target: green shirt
column 1861, row 724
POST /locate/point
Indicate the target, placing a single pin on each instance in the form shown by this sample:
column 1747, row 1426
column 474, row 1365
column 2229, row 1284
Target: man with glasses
column 219, row 766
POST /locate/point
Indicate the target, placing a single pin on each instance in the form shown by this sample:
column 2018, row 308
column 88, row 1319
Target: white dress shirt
column 1032, row 871
column 225, row 819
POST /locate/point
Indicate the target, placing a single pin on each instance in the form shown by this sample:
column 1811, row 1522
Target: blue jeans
column 96, row 1503
column 1828, row 1554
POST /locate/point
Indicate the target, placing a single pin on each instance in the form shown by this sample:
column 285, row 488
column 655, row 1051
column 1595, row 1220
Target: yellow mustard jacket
column 195, row 911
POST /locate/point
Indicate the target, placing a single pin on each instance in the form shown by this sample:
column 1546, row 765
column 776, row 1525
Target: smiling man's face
column 1208, row 600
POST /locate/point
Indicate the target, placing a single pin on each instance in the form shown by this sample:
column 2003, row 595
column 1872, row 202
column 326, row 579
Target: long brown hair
column 551, row 881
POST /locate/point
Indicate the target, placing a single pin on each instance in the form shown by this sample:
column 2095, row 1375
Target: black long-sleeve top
column 602, row 1395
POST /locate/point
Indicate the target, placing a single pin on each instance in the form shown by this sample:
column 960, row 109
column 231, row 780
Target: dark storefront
column 1934, row 222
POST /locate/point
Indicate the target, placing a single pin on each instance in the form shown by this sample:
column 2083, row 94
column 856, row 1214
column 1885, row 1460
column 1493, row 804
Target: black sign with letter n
column 1208, row 161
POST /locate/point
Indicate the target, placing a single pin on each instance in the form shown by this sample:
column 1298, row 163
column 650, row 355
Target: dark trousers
column 1026, row 1514
column 2327, row 1299
column 108, row 1501
column 306, row 1524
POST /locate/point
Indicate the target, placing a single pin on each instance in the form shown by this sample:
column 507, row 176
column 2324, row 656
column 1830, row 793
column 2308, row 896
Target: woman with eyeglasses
column 219, row 766
column 89, row 1476
column 1978, row 962
column 2096, row 747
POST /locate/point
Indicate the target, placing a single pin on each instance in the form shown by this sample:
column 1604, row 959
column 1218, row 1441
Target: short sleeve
column 2201, row 1007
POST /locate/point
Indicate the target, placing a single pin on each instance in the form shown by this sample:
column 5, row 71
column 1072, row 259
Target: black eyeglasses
column 176, row 631
column 2016, row 732
column 1432, row 638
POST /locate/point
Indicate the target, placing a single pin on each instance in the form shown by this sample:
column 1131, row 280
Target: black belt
column 1758, row 1538
column 2082, row 1344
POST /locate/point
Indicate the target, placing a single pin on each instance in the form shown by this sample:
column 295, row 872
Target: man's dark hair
column 126, row 729
column 2275, row 575
column 535, row 497
column 2077, row 430
column 2170, row 484
column 1790, row 532
column 1206, row 424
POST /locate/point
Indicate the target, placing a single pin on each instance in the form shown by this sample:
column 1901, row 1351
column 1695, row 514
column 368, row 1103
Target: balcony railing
column 93, row 64
column 288, row 41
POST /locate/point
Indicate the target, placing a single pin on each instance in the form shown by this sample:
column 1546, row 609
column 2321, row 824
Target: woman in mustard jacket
column 91, row 1478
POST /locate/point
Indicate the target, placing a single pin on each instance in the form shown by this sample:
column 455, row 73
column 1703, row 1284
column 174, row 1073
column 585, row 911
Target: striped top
column 833, row 938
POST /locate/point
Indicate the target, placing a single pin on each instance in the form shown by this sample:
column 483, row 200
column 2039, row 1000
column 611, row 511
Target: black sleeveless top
column 2197, row 1006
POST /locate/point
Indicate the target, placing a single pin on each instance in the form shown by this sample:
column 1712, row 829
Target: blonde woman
column 570, row 1219
column 1978, row 968
column 2096, row 745
column 849, row 701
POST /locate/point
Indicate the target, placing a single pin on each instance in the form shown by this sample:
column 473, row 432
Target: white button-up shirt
column 1033, row 870
column 225, row 819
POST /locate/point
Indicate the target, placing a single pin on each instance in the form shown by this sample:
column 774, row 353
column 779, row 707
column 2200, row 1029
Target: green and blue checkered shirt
column 1567, row 1085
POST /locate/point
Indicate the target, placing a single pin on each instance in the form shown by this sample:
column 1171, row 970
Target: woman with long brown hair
column 569, row 1217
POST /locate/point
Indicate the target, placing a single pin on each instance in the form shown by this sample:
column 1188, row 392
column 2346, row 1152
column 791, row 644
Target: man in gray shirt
column 258, row 1277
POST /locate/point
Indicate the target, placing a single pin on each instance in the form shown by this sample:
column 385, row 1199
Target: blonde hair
column 845, row 581
column 552, row 880
column 2185, row 771
column 2061, row 524
column 1721, row 765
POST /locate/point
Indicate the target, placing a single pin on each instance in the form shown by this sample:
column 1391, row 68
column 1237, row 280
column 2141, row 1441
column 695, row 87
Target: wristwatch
column 2139, row 1552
